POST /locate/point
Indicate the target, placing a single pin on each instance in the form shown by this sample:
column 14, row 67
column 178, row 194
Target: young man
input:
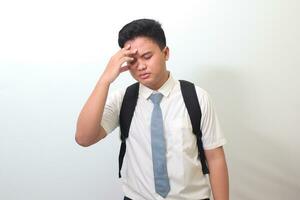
column 161, row 159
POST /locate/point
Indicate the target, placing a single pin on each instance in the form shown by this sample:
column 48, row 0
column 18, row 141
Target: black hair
column 143, row 28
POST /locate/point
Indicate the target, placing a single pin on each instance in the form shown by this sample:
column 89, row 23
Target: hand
column 118, row 63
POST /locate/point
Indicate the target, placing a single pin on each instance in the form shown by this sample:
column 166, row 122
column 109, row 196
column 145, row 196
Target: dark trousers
column 126, row 198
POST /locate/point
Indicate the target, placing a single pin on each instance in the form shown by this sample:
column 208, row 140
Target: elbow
column 86, row 139
column 81, row 140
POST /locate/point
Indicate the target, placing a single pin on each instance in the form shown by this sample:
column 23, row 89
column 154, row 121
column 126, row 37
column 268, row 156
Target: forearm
column 89, row 130
column 218, row 175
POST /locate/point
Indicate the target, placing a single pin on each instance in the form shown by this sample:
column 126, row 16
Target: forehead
column 142, row 44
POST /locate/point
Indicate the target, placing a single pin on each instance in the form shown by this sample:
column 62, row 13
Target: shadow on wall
column 259, row 164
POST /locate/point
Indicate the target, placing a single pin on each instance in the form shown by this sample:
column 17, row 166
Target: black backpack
column 193, row 107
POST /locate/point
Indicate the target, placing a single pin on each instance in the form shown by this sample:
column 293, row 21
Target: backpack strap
column 125, row 118
column 193, row 107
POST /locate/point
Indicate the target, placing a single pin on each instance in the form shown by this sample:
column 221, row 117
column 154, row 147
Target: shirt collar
column 165, row 89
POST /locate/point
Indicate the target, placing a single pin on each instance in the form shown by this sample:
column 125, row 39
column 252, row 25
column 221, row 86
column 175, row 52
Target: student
column 160, row 132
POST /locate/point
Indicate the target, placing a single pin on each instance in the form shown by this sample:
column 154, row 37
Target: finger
column 124, row 68
column 127, row 47
column 125, row 51
column 127, row 59
column 130, row 52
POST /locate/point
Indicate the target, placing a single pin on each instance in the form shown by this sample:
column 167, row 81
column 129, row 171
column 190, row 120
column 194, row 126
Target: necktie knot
column 156, row 98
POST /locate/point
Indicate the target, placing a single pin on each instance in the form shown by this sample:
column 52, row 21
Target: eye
column 147, row 57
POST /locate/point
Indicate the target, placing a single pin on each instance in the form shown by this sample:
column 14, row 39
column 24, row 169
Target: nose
column 141, row 66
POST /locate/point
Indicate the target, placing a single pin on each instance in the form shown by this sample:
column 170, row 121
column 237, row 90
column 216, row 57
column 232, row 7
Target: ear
column 166, row 53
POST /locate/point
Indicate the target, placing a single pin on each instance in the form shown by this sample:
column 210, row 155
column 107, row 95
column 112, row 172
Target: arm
column 218, row 173
column 89, row 129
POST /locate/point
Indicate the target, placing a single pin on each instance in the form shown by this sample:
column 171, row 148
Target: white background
column 245, row 53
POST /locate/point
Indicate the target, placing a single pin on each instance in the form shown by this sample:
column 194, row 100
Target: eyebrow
column 147, row 52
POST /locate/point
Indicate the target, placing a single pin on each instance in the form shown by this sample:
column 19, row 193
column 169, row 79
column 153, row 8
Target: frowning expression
column 149, row 64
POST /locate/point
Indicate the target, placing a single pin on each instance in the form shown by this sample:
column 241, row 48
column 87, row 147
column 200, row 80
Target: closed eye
column 148, row 56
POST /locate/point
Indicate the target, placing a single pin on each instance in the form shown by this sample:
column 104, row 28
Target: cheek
column 133, row 71
column 156, row 66
column 153, row 64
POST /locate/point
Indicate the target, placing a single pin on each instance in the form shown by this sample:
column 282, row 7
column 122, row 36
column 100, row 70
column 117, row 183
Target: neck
column 163, row 81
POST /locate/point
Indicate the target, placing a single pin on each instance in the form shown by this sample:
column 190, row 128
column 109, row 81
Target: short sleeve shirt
column 184, row 168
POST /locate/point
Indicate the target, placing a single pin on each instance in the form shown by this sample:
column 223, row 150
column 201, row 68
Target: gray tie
column 161, row 179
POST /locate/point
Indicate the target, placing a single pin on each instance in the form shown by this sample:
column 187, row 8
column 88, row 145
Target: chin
column 146, row 82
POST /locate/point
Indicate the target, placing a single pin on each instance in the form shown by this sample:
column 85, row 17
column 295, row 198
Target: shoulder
column 203, row 98
column 205, row 101
column 201, row 93
column 118, row 94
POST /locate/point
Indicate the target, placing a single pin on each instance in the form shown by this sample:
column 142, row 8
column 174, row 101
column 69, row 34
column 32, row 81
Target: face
column 149, row 64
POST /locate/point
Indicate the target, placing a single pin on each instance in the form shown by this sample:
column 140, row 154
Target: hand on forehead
column 142, row 44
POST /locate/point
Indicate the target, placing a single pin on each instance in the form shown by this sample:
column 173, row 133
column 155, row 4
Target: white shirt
column 184, row 168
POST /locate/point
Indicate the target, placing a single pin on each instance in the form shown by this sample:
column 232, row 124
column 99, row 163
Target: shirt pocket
column 177, row 130
column 182, row 137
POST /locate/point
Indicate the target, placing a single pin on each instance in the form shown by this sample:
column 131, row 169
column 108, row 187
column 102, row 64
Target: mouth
column 144, row 76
